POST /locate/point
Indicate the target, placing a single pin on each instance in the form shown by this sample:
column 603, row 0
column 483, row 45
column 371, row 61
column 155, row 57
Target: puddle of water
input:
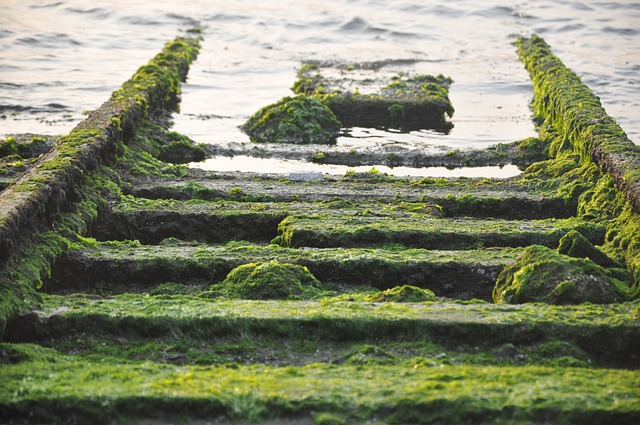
column 278, row 166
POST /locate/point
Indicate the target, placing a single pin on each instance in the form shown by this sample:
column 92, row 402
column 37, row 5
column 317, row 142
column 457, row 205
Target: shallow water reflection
column 278, row 166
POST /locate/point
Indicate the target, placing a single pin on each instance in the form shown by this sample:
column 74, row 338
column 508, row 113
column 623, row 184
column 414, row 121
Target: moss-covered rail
column 137, row 290
column 31, row 206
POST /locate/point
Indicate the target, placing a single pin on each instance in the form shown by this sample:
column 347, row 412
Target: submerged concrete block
column 369, row 95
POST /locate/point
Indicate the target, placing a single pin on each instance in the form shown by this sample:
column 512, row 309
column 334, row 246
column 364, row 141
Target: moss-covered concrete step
column 151, row 221
column 456, row 197
column 130, row 267
column 37, row 392
column 609, row 333
column 521, row 153
column 330, row 223
column 369, row 228
column 290, row 351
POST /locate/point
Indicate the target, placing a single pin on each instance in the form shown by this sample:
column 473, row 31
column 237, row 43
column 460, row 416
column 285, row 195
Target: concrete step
column 313, row 394
column 121, row 267
column 608, row 333
column 326, row 224
column 370, row 229
column 456, row 197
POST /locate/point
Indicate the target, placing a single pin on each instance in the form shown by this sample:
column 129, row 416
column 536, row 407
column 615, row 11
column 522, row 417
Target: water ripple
column 48, row 40
column 97, row 12
column 85, row 49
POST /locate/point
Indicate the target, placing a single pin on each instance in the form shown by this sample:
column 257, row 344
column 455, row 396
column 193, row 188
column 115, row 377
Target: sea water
column 63, row 58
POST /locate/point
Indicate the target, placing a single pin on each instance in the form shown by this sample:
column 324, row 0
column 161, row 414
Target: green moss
column 25, row 146
column 407, row 101
column 530, row 150
column 624, row 237
column 17, row 353
column 307, row 84
column 328, row 419
column 373, row 176
column 394, row 394
column 182, row 152
column 180, row 329
column 396, row 112
column 575, row 245
column 171, row 288
column 543, row 275
column 403, row 294
column 573, row 115
column 8, row 146
column 318, row 157
column 62, row 178
column 299, row 119
column 459, row 274
column 269, row 280
column 378, row 227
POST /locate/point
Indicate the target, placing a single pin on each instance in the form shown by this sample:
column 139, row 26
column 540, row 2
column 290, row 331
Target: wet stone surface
column 370, row 95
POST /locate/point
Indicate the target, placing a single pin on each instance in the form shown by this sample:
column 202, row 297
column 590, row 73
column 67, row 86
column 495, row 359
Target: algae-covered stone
column 403, row 294
column 544, row 275
column 575, row 245
column 298, row 119
column 369, row 95
column 270, row 280
column 26, row 145
column 182, row 152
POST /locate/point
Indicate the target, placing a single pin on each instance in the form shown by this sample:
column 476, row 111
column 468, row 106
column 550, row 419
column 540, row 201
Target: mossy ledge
column 30, row 205
column 574, row 112
column 599, row 165
column 407, row 394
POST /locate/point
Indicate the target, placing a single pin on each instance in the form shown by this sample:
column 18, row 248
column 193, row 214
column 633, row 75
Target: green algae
column 575, row 245
column 605, row 161
column 182, row 330
column 422, row 231
column 356, row 224
column 298, row 119
column 9, row 146
column 574, row 114
column 404, row 294
column 394, row 394
column 543, row 275
column 181, row 150
column 529, row 151
column 458, row 274
column 25, row 146
column 58, row 182
column 269, row 280
column 407, row 102
column 613, row 326
column 27, row 269
column 481, row 197
column 607, row 204
column 401, row 358
column 256, row 348
column 172, row 288
column 17, row 353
